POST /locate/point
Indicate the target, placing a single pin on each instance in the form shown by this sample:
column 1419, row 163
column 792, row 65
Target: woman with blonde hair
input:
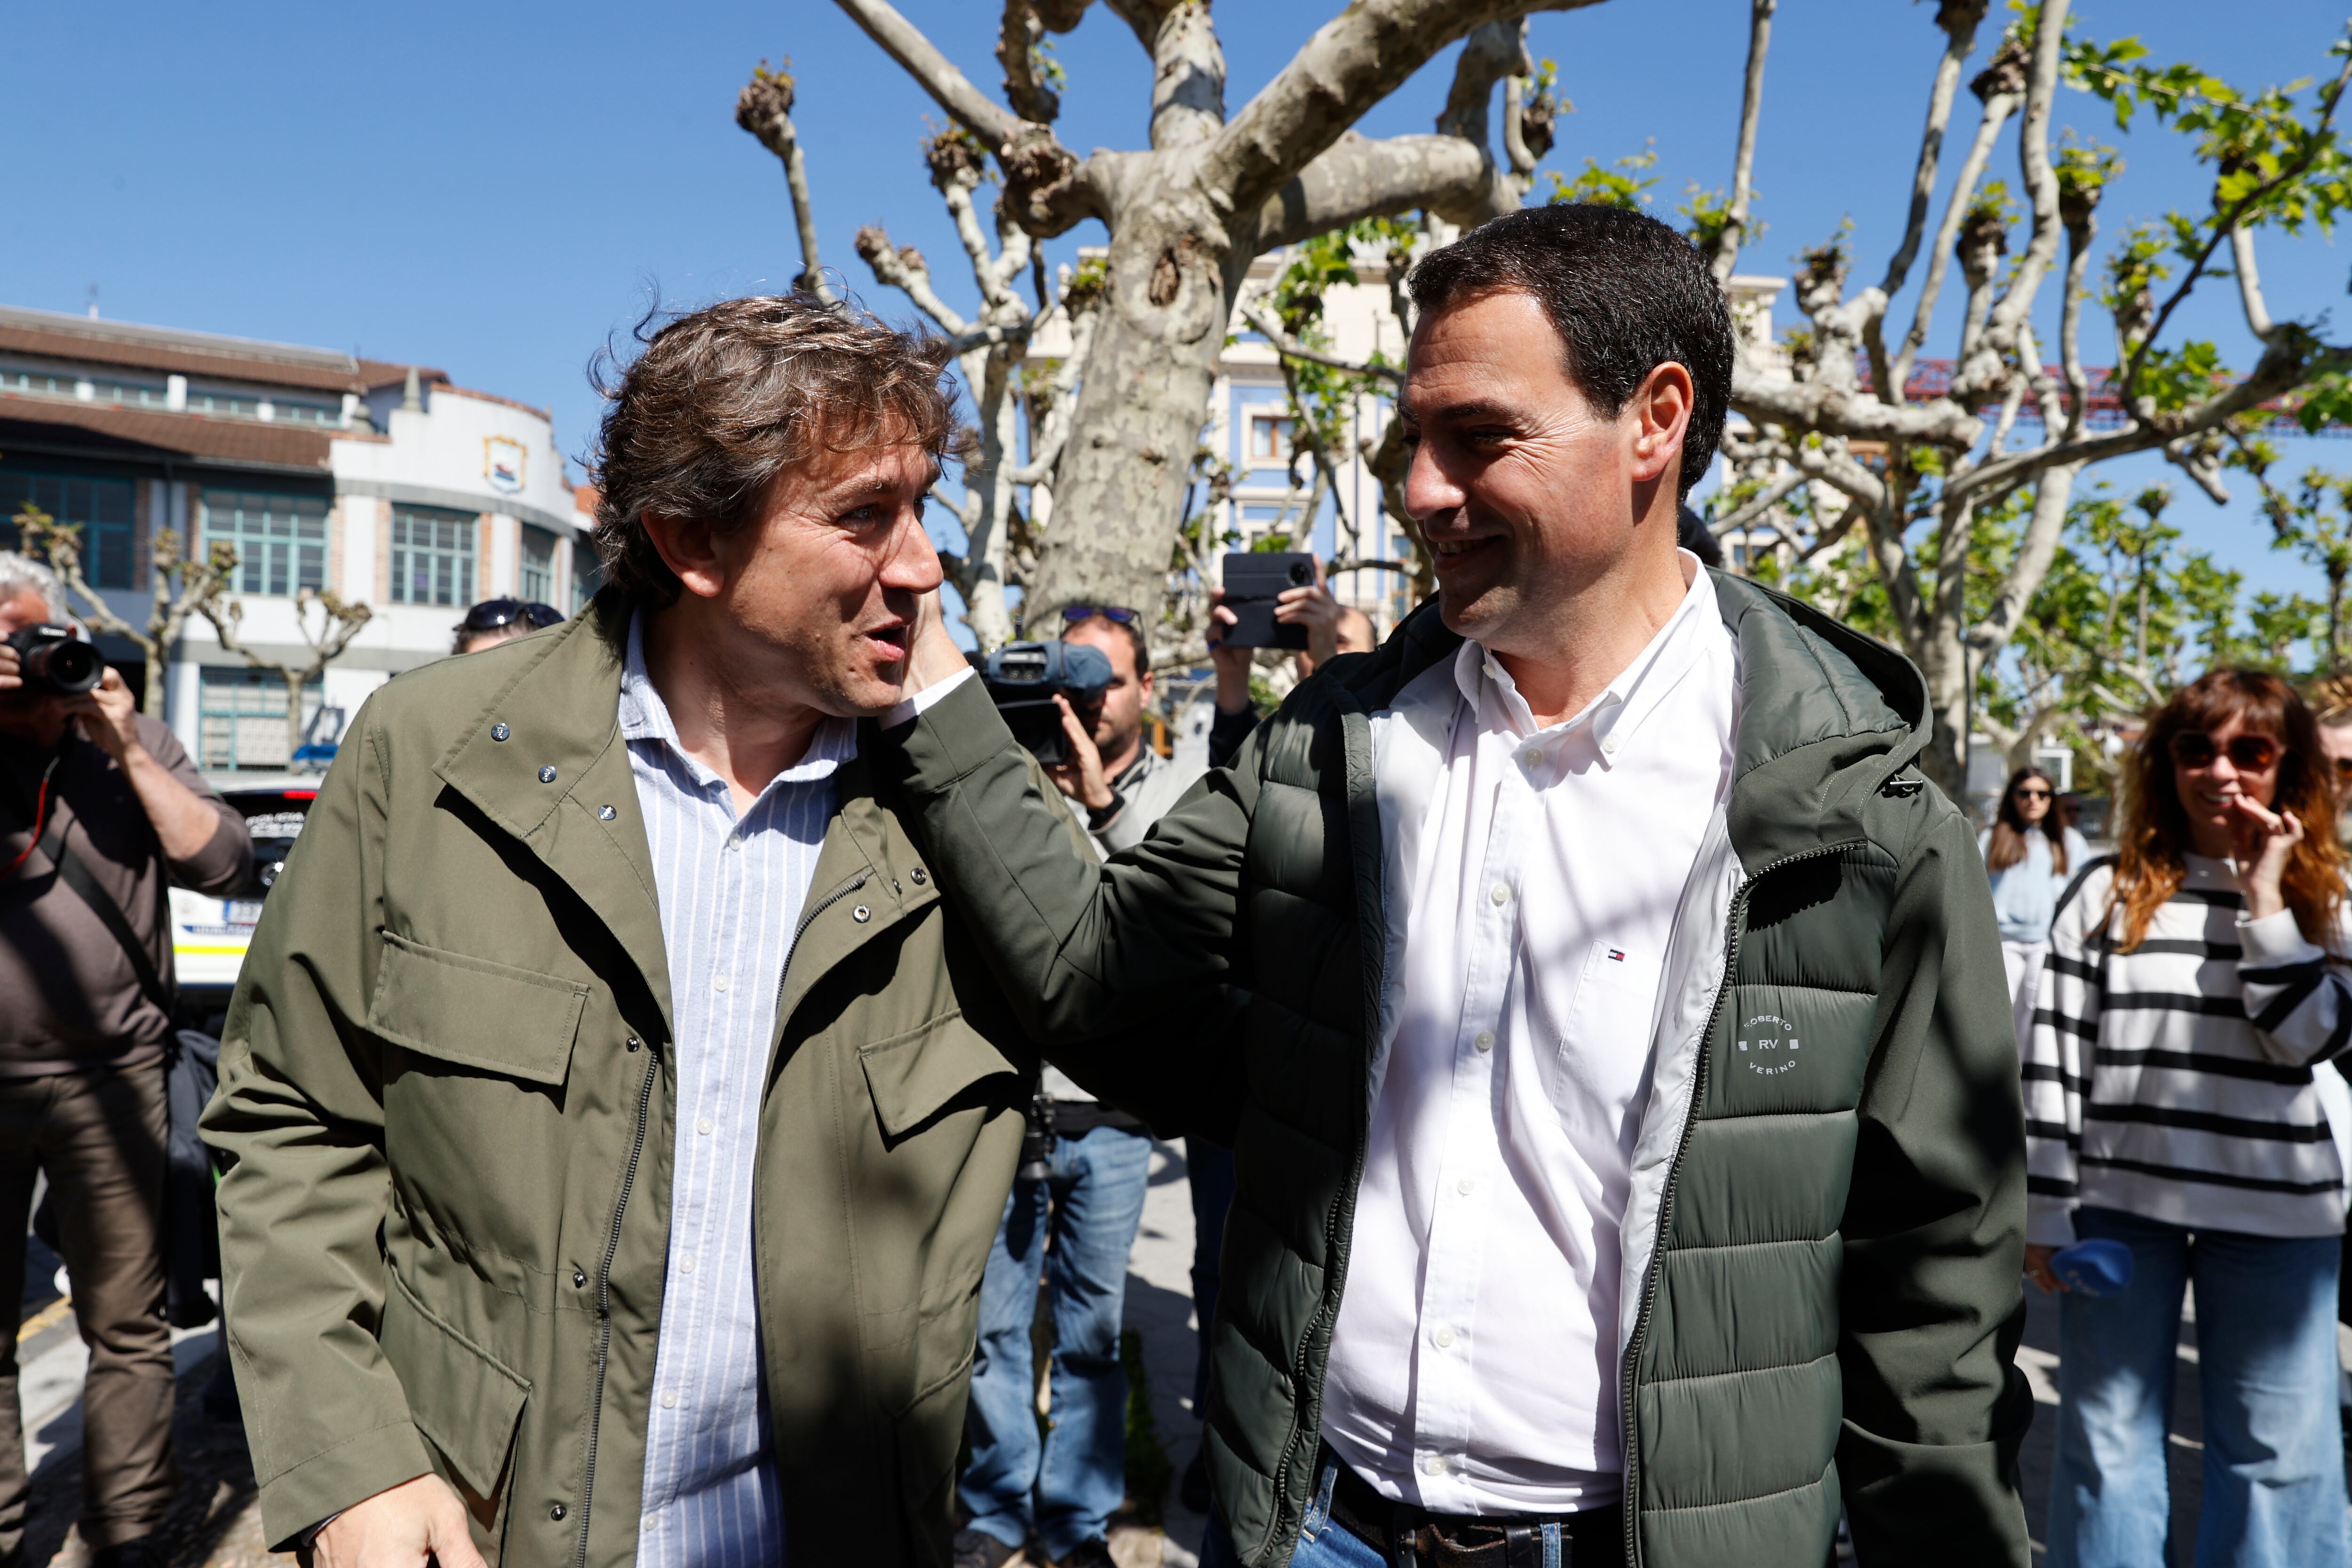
column 2031, row 854
column 2195, row 979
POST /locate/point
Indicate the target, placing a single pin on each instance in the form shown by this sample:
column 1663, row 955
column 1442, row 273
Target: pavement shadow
column 213, row 1520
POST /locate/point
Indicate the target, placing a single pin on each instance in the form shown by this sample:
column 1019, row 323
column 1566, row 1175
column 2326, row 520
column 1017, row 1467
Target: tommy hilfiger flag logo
column 1617, row 954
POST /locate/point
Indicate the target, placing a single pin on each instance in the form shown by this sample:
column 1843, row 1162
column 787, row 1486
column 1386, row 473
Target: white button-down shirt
column 732, row 891
column 1532, row 879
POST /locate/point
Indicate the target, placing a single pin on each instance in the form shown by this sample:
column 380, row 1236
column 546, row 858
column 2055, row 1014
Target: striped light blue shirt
column 731, row 891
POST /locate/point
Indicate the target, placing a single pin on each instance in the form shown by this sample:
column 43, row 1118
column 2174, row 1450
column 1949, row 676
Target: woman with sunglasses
column 2029, row 853
column 2195, row 980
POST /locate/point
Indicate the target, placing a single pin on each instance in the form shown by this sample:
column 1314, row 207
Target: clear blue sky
column 497, row 189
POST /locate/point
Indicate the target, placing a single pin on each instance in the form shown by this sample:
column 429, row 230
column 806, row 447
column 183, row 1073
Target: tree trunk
column 1121, row 494
column 1945, row 663
column 293, row 716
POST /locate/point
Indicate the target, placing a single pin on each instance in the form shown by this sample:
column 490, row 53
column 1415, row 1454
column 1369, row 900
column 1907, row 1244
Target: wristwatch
column 1099, row 819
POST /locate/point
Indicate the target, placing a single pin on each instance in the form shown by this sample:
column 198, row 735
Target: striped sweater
column 2175, row 1081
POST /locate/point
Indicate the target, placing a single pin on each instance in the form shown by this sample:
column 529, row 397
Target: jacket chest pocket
column 474, row 1091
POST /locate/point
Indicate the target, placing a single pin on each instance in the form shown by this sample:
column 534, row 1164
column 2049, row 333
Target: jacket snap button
column 547, row 775
column 556, row 1513
column 605, row 814
column 919, row 876
column 634, row 1042
column 500, row 732
column 578, row 1279
column 895, row 888
column 861, row 914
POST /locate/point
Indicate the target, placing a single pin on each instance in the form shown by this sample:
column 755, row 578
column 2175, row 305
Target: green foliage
column 1618, row 187
column 2084, row 168
column 2176, row 378
column 1709, row 213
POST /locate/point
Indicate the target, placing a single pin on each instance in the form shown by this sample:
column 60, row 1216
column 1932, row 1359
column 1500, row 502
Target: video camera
column 53, row 662
column 1023, row 678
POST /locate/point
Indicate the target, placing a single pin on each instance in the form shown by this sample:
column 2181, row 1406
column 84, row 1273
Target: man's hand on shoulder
column 403, row 1527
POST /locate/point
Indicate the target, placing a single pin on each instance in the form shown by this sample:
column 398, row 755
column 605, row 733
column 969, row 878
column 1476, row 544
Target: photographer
column 99, row 809
column 1096, row 1162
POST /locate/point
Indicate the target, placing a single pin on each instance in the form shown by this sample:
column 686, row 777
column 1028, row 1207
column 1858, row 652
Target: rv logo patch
column 1769, row 1045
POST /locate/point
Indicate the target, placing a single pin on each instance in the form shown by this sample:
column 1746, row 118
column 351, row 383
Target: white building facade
column 382, row 482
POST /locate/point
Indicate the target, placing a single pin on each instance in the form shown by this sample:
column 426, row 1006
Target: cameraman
column 1063, row 1488
column 99, row 809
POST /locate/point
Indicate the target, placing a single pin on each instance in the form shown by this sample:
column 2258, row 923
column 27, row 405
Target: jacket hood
column 1828, row 716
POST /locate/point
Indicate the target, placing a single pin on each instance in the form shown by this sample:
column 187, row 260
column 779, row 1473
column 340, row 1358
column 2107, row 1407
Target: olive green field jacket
column 1820, row 1296
column 447, row 1092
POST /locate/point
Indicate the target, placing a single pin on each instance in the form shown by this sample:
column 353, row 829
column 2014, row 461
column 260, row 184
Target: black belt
column 1409, row 1536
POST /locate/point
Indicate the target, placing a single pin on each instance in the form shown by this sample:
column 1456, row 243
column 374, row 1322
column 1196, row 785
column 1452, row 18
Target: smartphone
column 1254, row 582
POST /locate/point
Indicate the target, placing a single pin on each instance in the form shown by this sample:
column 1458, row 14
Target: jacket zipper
column 840, row 892
column 1632, row 1507
column 613, row 1241
column 604, row 1293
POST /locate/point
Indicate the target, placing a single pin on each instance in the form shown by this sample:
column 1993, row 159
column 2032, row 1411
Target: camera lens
column 71, row 668
column 1301, row 574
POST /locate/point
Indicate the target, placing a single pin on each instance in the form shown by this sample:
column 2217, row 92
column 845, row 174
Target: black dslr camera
column 53, row 662
column 1023, row 679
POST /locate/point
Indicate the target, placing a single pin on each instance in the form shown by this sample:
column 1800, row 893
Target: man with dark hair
column 616, row 1117
column 1626, row 1112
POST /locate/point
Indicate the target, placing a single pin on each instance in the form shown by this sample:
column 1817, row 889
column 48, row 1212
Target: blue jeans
column 2274, row 1473
column 1067, row 1487
column 1323, row 1544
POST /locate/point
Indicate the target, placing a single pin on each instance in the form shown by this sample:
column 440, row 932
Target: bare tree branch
column 2000, row 620
column 1773, row 496
column 764, row 109
column 1188, row 77
column 933, row 72
column 2041, row 181
column 1360, row 177
column 2250, row 283
column 1351, row 63
column 1845, row 411
column 1743, row 162
column 1260, row 319
column 1960, row 20
column 1492, row 51
column 1045, row 451
column 1999, row 102
column 904, row 269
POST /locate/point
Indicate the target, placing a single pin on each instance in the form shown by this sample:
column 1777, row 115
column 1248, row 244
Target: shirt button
column 685, row 1264
column 1533, row 759
column 1500, row 892
column 1434, row 1466
column 648, row 1522
column 706, row 1126
column 1464, row 1186
column 718, row 982
column 1609, row 745
column 1444, row 1337
column 1485, row 1040
column 669, row 1401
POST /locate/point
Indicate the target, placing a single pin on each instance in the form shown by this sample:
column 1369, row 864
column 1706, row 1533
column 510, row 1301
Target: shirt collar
column 1631, row 697
column 644, row 716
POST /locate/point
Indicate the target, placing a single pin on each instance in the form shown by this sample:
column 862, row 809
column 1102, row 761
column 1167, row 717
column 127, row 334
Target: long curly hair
column 2009, row 827
column 2149, row 866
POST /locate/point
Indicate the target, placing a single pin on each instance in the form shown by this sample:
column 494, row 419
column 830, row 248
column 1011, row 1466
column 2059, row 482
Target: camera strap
column 74, row 874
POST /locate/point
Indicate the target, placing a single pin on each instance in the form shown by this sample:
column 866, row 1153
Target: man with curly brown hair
column 618, row 1120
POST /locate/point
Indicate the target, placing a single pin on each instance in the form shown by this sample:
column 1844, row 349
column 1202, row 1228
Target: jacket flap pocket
column 458, row 1395
column 913, row 1075
column 476, row 1013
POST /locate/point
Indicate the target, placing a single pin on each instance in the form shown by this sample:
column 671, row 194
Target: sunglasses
column 2033, row 795
column 2194, row 749
column 1075, row 614
column 491, row 613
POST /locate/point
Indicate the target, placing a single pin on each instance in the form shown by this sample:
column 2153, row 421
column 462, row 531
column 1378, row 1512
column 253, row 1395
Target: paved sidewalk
column 215, row 1524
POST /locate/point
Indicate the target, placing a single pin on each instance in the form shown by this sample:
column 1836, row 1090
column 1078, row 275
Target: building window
column 280, row 540
column 433, row 555
column 100, row 508
column 587, row 573
column 241, row 716
column 537, row 577
column 1270, row 438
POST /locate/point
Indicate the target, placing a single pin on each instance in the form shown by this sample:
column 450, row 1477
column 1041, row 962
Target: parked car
column 210, row 935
